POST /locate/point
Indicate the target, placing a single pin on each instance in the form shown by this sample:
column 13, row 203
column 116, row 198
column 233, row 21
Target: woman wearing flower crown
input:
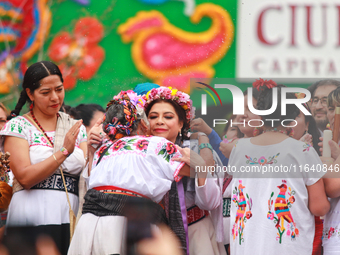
column 125, row 169
column 169, row 112
column 275, row 214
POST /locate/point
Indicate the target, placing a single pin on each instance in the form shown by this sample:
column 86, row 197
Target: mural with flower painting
column 78, row 54
column 24, row 25
column 282, row 211
column 242, row 214
column 55, row 30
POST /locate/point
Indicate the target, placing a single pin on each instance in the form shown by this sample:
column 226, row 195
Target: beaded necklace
column 288, row 131
column 36, row 121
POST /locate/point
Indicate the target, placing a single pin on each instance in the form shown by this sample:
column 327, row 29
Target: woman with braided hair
column 124, row 167
column 42, row 143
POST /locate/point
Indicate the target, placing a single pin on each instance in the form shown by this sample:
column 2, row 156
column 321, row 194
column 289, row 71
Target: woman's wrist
column 65, row 152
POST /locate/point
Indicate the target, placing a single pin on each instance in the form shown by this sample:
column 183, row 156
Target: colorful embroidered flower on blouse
column 101, row 150
column 291, row 199
column 330, row 232
column 296, row 231
column 43, row 140
column 142, row 144
column 270, row 215
column 248, row 215
column 118, row 145
column 262, row 161
column 171, row 148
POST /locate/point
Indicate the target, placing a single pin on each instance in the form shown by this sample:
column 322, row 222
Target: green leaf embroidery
column 167, row 158
column 19, row 129
column 128, row 147
column 162, row 152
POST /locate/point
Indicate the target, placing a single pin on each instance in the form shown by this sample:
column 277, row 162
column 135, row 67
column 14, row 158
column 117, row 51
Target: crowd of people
column 130, row 173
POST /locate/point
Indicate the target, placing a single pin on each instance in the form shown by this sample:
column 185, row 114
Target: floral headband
column 260, row 83
column 175, row 95
column 114, row 126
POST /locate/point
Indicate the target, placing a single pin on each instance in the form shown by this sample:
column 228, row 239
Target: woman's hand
column 307, row 138
column 95, row 137
column 71, row 136
column 335, row 150
column 226, row 148
column 190, row 157
column 200, row 125
column 193, row 161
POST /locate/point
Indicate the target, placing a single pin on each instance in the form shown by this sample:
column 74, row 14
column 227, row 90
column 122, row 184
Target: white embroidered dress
column 139, row 164
column 36, row 207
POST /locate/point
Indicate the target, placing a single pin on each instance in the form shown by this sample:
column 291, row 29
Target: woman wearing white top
column 39, row 198
column 122, row 167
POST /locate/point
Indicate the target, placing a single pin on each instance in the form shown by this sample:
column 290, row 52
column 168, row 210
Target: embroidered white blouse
column 141, row 164
column 42, row 206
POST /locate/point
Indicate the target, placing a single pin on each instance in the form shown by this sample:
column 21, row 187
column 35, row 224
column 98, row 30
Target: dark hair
column 334, row 98
column 255, row 93
column 116, row 111
column 239, row 133
column 314, row 131
column 86, row 112
column 327, row 82
column 179, row 111
column 70, row 111
column 33, row 75
column 265, row 102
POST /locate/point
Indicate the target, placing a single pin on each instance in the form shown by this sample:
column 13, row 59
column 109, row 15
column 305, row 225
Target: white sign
column 288, row 39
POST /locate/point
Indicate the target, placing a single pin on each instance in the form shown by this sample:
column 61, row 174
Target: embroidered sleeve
column 16, row 127
column 162, row 153
column 82, row 136
column 312, row 166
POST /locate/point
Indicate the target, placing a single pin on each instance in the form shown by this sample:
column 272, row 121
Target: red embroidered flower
column 292, row 199
column 118, row 145
column 101, row 150
column 330, row 232
column 248, row 215
column 78, row 54
column 296, row 231
column 171, row 148
column 142, row 144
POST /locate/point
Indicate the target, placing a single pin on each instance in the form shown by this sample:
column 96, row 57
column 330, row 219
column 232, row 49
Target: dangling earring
column 290, row 132
column 31, row 106
column 180, row 134
column 257, row 131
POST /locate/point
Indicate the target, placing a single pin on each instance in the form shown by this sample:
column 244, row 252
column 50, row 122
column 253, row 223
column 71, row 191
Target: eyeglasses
column 323, row 101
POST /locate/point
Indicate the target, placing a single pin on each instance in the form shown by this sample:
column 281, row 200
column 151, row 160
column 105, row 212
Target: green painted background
column 118, row 71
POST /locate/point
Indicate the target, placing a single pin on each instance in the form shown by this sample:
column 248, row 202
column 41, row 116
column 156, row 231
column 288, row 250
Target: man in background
column 319, row 92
